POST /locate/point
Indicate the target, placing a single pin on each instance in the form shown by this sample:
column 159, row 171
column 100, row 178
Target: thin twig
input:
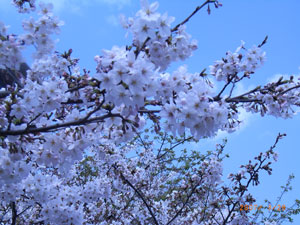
column 95, row 110
column 60, row 125
column 148, row 111
column 264, row 42
column 280, row 197
column 162, row 144
column 218, row 97
column 140, row 194
column 246, row 93
column 192, row 14
column 289, row 89
column 174, row 146
column 279, row 136
column 185, row 203
column 24, row 210
column 142, row 141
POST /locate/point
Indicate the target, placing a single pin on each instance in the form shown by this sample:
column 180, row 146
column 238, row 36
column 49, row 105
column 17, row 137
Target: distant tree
column 107, row 147
column 12, row 77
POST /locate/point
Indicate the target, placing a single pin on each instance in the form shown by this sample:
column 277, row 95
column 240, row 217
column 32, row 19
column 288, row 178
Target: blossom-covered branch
column 106, row 146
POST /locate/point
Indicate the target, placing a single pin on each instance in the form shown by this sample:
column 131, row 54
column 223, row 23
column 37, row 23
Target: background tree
column 68, row 138
column 10, row 77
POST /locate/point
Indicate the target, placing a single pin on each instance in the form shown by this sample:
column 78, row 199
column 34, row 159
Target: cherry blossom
column 76, row 146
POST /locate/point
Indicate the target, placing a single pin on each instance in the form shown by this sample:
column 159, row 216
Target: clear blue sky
column 92, row 25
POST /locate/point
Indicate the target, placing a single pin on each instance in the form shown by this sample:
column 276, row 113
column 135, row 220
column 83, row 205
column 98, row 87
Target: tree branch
column 139, row 193
column 60, row 125
column 218, row 97
column 192, row 14
column 185, row 203
column 174, row 146
column 289, row 89
column 14, row 213
column 253, row 175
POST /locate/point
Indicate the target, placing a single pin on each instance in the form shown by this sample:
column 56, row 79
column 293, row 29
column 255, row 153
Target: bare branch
column 193, row 13
column 264, row 42
column 60, row 125
column 139, row 193
column 14, row 213
column 174, row 146
column 185, row 203
column 253, row 175
column 218, row 97
column 289, row 89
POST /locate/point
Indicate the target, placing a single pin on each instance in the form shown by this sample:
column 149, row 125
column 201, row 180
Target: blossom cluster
column 237, row 62
column 129, row 81
column 24, row 6
column 10, row 49
column 192, row 107
column 39, row 31
column 152, row 32
column 69, row 140
column 280, row 101
column 41, row 98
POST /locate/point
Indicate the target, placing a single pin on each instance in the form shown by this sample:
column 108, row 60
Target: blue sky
column 92, row 25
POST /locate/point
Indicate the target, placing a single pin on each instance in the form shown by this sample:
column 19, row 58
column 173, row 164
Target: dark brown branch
column 142, row 141
column 218, row 97
column 24, row 210
column 193, row 13
column 148, row 111
column 139, row 49
column 94, row 110
column 185, row 203
column 162, row 144
column 14, row 213
column 253, row 175
column 139, row 193
column 181, row 142
column 264, row 42
column 70, row 101
column 28, row 124
column 243, row 192
column 289, row 89
column 243, row 100
column 60, row 125
column 174, row 146
column 247, row 93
